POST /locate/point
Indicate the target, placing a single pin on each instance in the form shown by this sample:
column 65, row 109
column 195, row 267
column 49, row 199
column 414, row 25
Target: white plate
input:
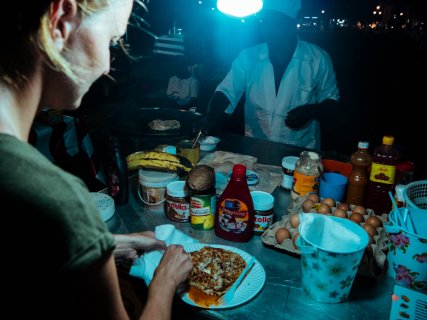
column 250, row 286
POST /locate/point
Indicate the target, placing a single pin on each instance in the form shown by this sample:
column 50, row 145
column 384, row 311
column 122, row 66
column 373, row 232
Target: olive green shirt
column 53, row 228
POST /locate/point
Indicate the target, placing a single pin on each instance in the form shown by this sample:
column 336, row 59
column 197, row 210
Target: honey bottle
column 382, row 177
column 358, row 180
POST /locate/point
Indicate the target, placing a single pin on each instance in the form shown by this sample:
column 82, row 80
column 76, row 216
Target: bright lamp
column 239, row 8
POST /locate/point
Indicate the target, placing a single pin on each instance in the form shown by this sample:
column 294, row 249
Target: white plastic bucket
column 407, row 255
column 329, row 265
column 152, row 186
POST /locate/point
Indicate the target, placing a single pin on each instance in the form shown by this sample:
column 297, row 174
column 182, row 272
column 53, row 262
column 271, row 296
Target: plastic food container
column 208, row 143
column 105, row 204
column 152, row 187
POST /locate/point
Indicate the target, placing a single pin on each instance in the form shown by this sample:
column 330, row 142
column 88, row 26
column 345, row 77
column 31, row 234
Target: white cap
column 363, row 145
column 289, row 162
column 104, row 203
column 289, row 7
column 263, row 201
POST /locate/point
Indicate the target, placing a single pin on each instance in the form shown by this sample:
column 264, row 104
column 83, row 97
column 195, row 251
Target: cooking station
column 282, row 296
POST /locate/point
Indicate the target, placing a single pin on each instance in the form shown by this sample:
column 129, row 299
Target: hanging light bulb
column 239, row 8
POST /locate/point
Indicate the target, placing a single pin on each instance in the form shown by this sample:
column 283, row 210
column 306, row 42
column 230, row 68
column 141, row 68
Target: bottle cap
column 289, row 162
column 263, row 201
column 363, row 145
column 105, row 204
column 388, row 140
column 239, row 170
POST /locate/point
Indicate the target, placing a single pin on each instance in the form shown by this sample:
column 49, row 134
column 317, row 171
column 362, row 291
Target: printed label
column 304, row 184
column 382, row 173
column 287, row 181
column 180, row 211
column 233, row 216
column 202, row 211
column 262, row 223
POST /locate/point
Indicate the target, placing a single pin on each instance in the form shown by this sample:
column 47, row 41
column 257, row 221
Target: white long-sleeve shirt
column 308, row 79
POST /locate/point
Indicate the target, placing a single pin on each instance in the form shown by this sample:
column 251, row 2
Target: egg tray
column 373, row 263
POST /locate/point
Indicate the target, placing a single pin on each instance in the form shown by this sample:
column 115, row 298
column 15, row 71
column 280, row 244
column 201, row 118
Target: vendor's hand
column 131, row 246
column 298, row 117
column 173, row 269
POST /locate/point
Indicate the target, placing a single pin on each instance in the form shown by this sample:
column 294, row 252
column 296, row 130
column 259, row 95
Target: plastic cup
column 329, row 269
column 333, row 185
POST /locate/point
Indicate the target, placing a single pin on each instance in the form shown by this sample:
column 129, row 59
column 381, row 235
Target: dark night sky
column 352, row 9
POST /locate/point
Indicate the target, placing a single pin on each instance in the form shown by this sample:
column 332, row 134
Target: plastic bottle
column 234, row 219
column 358, row 180
column 118, row 186
column 382, row 178
column 308, row 170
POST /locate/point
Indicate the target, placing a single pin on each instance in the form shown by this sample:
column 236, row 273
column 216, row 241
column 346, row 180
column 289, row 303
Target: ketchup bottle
column 234, row 219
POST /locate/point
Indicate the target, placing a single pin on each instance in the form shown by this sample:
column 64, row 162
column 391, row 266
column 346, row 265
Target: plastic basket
column 415, row 194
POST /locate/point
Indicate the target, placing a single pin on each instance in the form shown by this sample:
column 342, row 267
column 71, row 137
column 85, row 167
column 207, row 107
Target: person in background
column 289, row 84
column 183, row 87
column 60, row 259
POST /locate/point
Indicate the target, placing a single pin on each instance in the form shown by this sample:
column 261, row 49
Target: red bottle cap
column 239, row 170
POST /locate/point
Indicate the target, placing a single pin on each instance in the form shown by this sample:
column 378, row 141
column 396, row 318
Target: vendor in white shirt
column 183, row 87
column 289, row 84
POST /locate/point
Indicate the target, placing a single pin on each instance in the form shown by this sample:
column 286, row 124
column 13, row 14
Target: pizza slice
column 214, row 272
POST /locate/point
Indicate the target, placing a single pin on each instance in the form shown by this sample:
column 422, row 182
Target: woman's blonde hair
column 26, row 30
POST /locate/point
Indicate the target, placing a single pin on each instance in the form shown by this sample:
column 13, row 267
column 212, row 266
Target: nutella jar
column 177, row 204
column 263, row 210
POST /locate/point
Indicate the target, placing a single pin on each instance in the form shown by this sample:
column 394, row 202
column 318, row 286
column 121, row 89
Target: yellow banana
column 158, row 160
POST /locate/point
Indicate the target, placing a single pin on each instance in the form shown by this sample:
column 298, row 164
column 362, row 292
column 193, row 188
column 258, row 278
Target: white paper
column 328, row 234
column 145, row 266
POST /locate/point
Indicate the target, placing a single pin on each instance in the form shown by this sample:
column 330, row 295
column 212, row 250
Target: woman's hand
column 131, row 246
column 173, row 269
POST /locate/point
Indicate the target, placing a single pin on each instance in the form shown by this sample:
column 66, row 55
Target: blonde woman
column 60, row 261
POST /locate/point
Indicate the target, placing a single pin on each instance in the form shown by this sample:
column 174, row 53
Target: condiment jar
column 288, row 167
column 263, row 210
column 308, row 170
column 177, row 204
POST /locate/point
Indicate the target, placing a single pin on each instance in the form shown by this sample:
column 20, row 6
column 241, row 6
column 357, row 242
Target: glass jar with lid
column 308, row 170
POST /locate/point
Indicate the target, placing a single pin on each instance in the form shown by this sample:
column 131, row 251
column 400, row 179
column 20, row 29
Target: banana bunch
column 158, row 160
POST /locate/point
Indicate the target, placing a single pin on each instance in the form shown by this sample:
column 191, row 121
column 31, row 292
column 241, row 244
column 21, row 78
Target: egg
column 324, row 209
column 344, row 206
column 295, row 220
column 329, row 201
column 282, row 234
column 374, row 221
column 340, row 213
column 307, row 205
column 294, row 239
column 314, row 197
column 359, row 209
column 356, row 217
column 371, row 230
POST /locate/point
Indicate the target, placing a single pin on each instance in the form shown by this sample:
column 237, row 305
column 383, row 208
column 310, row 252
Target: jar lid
column 262, row 200
column 156, row 178
column 363, row 145
column 177, row 189
column 104, row 203
column 388, row 140
column 289, row 162
column 252, row 177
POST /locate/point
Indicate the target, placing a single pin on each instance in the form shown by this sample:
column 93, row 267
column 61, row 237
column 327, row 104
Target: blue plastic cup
column 333, row 185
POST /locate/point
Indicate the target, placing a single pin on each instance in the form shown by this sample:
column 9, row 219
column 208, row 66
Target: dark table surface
column 282, row 296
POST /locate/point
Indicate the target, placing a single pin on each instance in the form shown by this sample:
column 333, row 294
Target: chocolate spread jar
column 177, row 204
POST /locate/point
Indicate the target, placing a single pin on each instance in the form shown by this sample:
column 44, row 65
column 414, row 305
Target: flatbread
column 215, row 270
column 162, row 125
